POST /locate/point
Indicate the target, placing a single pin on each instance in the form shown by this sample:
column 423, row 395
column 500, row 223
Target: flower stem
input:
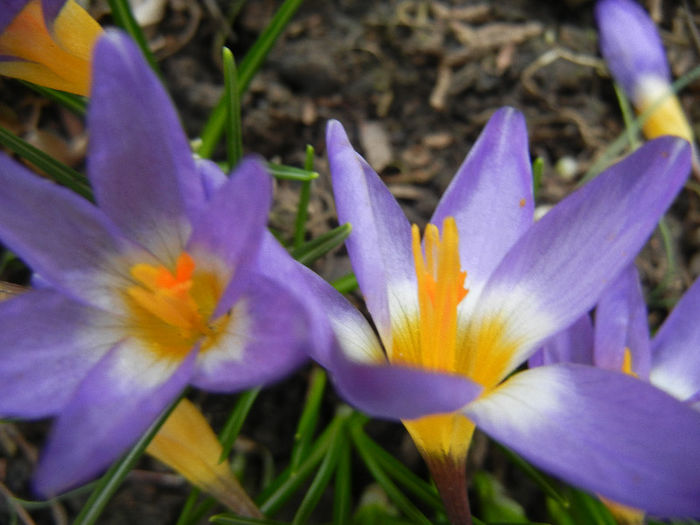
column 451, row 479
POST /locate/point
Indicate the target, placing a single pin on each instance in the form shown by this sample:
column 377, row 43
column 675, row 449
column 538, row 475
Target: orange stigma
column 440, row 290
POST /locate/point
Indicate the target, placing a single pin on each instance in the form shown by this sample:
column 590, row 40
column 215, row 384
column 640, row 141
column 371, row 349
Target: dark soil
column 413, row 82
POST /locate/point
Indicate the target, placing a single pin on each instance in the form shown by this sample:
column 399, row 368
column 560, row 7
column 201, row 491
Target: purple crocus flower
column 635, row 55
column 459, row 312
column 620, row 341
column 48, row 42
column 154, row 288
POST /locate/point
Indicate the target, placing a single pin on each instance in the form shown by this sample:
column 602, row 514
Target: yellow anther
column 627, row 363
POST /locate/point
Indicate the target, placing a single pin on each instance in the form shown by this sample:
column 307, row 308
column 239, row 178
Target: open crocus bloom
column 154, row 288
column 48, row 42
column 620, row 342
column 635, row 55
column 462, row 310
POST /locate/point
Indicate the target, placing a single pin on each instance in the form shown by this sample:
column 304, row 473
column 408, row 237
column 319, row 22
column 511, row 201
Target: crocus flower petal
column 49, row 342
column 9, row 11
column 621, row 325
column 573, row 345
column 187, row 444
column 60, row 235
column 398, row 392
column 231, row 226
column 211, row 175
column 561, row 265
column 675, row 350
column 49, row 43
column 380, row 243
column 490, row 197
column 139, row 160
column 602, row 431
column 265, row 339
column 113, row 406
column 630, row 43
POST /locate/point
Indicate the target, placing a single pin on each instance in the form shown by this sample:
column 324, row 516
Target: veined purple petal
column 604, row 431
column 49, row 343
column 380, row 243
column 630, row 44
column 267, row 337
column 398, row 392
column 231, row 226
column 621, row 323
column 573, row 345
column 112, row 407
column 139, row 161
column 490, row 197
column 675, row 350
column 60, row 235
column 560, row 266
column 10, row 9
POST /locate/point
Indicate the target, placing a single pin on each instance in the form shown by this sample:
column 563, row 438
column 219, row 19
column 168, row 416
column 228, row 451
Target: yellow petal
column 188, row 445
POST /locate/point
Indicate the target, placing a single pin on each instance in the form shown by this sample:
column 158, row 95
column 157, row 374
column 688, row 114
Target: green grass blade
column 342, row 494
column 110, row 482
column 322, row 477
column 627, row 116
column 235, row 421
column 64, row 175
column 398, row 471
column 75, row 103
column 536, row 476
column 123, row 17
column 309, row 417
column 315, row 248
column 249, row 66
column 346, row 283
column 304, row 197
column 228, row 519
column 282, row 172
column 537, row 169
column 287, row 483
column 396, row 496
column 234, row 137
column 189, row 507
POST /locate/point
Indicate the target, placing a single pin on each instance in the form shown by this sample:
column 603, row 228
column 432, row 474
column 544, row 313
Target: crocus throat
column 171, row 310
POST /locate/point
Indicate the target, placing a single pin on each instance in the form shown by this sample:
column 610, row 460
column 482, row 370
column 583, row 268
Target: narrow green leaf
column 342, row 501
column 627, row 116
column 304, row 196
column 189, row 507
column 346, row 283
column 123, row 17
column 398, row 471
column 229, row 519
column 234, row 137
column 75, row 103
column 535, row 475
column 309, row 417
column 287, row 483
column 235, row 421
column 108, row 484
column 537, row 169
column 280, row 171
column 496, row 506
column 582, row 508
column 315, row 248
column 249, row 66
column 64, row 175
column 398, row 497
column 322, row 477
